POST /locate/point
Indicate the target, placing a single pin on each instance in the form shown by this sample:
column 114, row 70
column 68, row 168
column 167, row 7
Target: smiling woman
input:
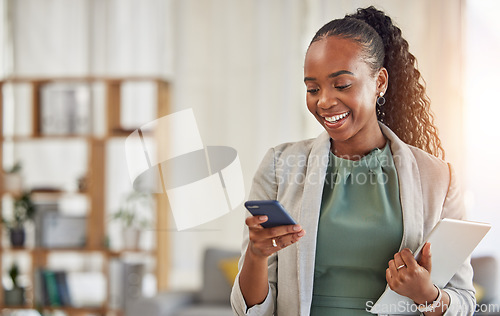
column 341, row 93
column 382, row 188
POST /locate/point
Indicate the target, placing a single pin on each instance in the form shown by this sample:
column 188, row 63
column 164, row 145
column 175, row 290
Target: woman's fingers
column 278, row 231
column 402, row 260
column 409, row 259
column 266, row 241
column 269, row 246
column 288, row 239
column 399, row 262
column 406, row 277
column 396, row 264
column 426, row 257
column 255, row 221
column 257, row 232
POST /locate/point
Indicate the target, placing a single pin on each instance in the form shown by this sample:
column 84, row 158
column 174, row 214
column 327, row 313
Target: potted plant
column 24, row 210
column 15, row 295
column 131, row 215
column 12, row 179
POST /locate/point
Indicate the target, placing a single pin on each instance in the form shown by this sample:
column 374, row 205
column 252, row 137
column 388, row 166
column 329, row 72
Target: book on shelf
column 63, row 288
column 65, row 109
column 115, row 294
column 125, row 282
column 38, row 288
column 41, row 208
column 63, row 231
column 51, row 288
column 56, row 230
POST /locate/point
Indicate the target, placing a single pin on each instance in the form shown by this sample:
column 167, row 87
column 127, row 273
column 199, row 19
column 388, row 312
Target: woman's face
column 342, row 90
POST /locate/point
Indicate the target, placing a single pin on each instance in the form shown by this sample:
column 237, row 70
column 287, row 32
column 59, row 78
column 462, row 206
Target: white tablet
column 452, row 241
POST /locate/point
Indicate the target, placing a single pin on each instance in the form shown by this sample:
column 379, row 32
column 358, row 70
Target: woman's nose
column 327, row 100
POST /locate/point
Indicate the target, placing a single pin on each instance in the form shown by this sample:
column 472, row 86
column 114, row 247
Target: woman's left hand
column 410, row 278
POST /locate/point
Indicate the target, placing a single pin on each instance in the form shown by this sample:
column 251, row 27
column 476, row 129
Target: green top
column 360, row 229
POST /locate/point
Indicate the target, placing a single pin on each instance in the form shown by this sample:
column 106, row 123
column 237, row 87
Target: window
column 481, row 122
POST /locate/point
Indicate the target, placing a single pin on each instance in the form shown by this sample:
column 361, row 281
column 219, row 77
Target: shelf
column 38, row 194
column 30, row 138
column 17, row 307
column 16, row 249
column 95, row 176
column 118, row 133
column 111, row 253
column 43, row 80
column 50, row 250
column 68, row 309
column 118, row 253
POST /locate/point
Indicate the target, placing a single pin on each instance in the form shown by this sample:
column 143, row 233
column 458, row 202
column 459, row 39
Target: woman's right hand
column 261, row 239
column 254, row 273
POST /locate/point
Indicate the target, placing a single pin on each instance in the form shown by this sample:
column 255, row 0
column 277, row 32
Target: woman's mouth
column 336, row 120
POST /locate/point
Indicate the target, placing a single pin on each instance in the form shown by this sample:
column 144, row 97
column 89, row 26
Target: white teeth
column 336, row 118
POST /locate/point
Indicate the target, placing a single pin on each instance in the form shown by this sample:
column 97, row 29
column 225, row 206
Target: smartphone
column 275, row 212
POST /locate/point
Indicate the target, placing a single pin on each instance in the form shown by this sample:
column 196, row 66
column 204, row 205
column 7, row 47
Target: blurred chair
column 486, row 283
column 219, row 271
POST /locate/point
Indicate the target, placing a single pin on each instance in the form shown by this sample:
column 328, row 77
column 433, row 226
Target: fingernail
column 302, row 233
column 263, row 218
column 296, row 228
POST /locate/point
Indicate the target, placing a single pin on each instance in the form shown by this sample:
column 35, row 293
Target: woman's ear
column 382, row 80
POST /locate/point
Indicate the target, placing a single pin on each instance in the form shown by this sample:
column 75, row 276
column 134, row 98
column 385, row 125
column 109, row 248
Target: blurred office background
column 238, row 65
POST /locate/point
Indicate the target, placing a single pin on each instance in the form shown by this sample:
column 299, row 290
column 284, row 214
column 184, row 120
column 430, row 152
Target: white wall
column 239, row 65
column 480, row 124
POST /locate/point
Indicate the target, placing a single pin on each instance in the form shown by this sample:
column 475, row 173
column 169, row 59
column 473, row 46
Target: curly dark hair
column 407, row 108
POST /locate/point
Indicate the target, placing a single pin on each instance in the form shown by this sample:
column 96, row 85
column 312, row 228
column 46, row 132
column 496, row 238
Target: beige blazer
column 294, row 173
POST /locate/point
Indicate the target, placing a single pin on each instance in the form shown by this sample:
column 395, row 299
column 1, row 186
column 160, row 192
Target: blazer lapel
column 308, row 218
column 410, row 190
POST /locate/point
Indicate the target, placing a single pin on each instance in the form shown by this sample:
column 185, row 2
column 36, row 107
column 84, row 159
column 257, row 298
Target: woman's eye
column 342, row 87
column 312, row 91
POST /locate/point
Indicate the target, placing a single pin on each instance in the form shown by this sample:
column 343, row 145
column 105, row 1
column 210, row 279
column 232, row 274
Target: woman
column 367, row 190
